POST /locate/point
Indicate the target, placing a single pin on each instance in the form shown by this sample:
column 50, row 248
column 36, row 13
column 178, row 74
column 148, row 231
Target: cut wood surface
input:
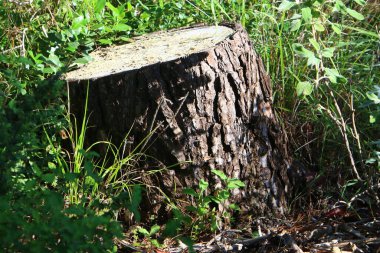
column 204, row 92
column 150, row 49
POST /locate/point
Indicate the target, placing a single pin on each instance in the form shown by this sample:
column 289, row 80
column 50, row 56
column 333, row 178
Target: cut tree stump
column 204, row 94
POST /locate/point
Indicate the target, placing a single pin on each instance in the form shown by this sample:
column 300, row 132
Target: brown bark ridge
column 211, row 107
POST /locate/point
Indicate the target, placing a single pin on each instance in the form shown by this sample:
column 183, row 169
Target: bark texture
column 212, row 108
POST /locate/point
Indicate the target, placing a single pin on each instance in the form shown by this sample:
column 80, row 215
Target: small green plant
column 373, row 106
column 151, row 235
column 211, row 211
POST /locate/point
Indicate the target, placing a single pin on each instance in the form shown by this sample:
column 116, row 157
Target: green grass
column 322, row 56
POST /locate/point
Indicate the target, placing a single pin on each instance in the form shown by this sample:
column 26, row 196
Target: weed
column 149, row 235
column 211, row 211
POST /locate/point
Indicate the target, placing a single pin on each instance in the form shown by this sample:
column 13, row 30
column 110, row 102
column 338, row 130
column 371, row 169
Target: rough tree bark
column 212, row 107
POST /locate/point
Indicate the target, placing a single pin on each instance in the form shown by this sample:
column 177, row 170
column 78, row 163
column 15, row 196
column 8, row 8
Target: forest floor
column 337, row 230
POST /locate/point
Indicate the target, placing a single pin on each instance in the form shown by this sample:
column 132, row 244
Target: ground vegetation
column 58, row 195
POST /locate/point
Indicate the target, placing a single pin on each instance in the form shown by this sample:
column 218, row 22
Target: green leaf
column 215, row 199
column 355, row 14
column 313, row 61
column 371, row 161
column 48, row 71
column 319, row 27
column 145, row 16
column 298, row 48
column 13, row 105
column 191, row 208
column 306, row 14
column 84, row 60
column 155, row 243
column 125, row 38
column 171, row 227
column 115, row 11
column 189, row 191
column 372, row 119
column 315, row 44
column 203, row 185
column 286, row 5
column 55, row 60
column 339, row 6
column 202, row 211
column 78, row 22
column 105, row 41
column 48, row 178
column 302, row 51
column 304, row 88
column 36, row 169
column 143, row 231
column 135, row 201
column 206, row 200
column 328, row 52
column 75, row 210
column 94, row 177
column 24, row 61
column 362, row 31
column 360, row 2
column 130, row 6
column 214, row 224
column 223, row 195
column 72, row 46
column 89, row 181
column 234, row 207
column 235, row 183
column 154, row 229
column 295, row 25
column 306, row 52
column 336, row 29
column 71, row 177
column 100, row 4
column 121, row 27
column 220, row 174
column 36, row 58
column 188, row 242
column 332, row 74
column 51, row 166
column 373, row 97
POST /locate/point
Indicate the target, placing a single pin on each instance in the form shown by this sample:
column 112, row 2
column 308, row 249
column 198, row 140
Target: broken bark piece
column 203, row 94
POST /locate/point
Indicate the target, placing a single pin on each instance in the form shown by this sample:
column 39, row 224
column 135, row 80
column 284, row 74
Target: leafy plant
column 149, row 235
column 324, row 36
column 211, row 211
column 373, row 105
column 38, row 221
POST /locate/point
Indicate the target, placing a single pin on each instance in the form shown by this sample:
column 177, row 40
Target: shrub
column 39, row 222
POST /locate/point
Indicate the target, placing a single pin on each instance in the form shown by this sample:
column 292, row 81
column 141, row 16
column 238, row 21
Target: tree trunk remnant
column 204, row 92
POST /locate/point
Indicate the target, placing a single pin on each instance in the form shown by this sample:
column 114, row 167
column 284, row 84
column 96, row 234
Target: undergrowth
column 323, row 59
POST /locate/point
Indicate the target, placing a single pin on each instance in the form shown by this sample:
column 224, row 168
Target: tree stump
column 204, row 92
